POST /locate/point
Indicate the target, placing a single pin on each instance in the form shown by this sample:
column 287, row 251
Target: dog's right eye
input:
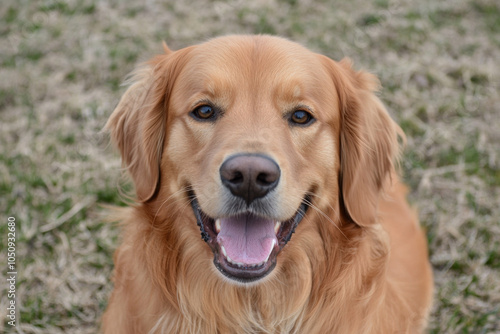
column 301, row 118
column 204, row 113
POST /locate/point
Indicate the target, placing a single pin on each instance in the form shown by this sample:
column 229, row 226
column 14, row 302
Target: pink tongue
column 247, row 239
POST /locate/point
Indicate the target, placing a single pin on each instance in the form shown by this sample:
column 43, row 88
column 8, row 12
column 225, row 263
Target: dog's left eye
column 301, row 117
column 204, row 113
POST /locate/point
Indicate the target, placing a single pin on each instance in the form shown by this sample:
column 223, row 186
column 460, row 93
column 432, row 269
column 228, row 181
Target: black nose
column 250, row 176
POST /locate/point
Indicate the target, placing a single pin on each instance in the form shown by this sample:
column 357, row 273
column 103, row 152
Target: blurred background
column 62, row 65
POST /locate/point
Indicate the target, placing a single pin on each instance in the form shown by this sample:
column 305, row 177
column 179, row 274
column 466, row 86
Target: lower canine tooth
column 276, row 227
column 217, row 225
column 272, row 247
column 223, row 251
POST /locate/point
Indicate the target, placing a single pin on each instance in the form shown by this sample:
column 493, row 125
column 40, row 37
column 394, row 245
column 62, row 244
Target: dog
column 285, row 162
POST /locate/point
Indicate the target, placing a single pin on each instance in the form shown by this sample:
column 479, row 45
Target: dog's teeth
column 223, row 251
column 236, row 263
column 272, row 247
column 277, row 227
column 217, row 225
column 228, row 259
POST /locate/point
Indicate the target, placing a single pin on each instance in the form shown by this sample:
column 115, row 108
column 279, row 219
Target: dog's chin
column 246, row 246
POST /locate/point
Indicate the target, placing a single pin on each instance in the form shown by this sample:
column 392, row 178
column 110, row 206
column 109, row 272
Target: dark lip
column 245, row 274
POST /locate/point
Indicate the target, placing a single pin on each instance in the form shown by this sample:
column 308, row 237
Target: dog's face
column 253, row 133
column 246, row 128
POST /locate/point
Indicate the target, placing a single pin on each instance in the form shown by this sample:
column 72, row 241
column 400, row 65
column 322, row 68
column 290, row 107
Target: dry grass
column 61, row 66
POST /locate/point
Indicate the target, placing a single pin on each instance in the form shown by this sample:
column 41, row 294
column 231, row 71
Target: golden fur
column 358, row 260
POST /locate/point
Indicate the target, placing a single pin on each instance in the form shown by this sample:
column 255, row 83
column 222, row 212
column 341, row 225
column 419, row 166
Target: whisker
column 181, row 190
column 323, row 214
column 168, row 203
column 166, row 200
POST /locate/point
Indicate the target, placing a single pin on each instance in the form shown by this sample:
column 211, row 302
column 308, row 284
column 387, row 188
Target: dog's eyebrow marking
column 210, row 89
column 296, row 92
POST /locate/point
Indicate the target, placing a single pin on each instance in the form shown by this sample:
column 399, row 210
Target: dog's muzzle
column 247, row 241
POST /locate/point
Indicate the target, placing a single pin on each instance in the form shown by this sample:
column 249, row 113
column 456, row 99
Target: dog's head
column 255, row 133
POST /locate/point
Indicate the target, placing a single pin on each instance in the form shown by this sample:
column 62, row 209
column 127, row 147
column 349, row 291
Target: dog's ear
column 368, row 141
column 138, row 123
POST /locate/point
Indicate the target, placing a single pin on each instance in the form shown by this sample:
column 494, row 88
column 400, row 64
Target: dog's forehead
column 243, row 62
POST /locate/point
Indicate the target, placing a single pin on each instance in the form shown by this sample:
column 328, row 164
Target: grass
column 62, row 62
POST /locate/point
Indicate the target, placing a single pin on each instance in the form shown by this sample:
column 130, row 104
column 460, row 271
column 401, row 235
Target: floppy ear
column 368, row 142
column 137, row 124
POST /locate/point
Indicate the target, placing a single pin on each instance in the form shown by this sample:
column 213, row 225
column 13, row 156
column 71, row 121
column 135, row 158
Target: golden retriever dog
column 284, row 161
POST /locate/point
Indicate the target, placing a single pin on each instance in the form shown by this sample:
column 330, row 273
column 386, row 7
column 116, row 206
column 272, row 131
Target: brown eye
column 204, row 113
column 301, row 117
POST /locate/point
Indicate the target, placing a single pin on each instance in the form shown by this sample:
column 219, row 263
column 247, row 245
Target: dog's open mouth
column 245, row 247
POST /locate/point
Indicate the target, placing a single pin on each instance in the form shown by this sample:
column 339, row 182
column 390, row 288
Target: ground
column 61, row 66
